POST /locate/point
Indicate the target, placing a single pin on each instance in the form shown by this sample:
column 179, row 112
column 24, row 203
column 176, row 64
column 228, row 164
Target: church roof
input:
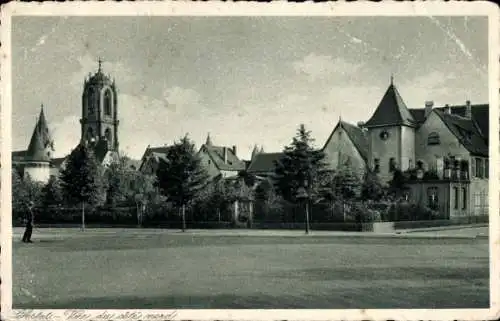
column 41, row 142
column 391, row 111
column 356, row 135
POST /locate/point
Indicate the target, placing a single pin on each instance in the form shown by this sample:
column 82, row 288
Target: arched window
column 91, row 101
column 107, row 103
column 433, row 139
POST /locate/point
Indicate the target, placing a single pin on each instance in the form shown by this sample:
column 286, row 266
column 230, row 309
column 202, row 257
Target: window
column 392, row 165
column 486, row 168
column 433, row 139
column 376, row 167
column 464, row 198
column 479, row 167
column 410, row 163
column 456, row 197
column 107, row 103
column 90, row 101
column 432, row 197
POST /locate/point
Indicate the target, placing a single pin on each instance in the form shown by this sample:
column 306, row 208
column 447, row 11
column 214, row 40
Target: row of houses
column 446, row 147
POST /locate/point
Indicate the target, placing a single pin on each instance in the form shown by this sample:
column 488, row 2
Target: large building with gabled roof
column 220, row 161
column 447, row 145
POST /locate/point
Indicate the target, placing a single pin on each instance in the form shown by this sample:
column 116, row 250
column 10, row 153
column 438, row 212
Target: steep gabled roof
column 216, row 153
column 480, row 115
column 466, row 132
column 154, row 152
column 264, row 162
column 391, row 111
column 41, row 142
column 358, row 138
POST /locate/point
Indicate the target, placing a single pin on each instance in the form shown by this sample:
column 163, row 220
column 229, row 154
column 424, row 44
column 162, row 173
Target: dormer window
column 433, row 139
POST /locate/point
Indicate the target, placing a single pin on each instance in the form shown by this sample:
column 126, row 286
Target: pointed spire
column 209, row 140
column 261, row 150
column 255, row 151
column 392, row 79
column 100, row 64
column 41, row 142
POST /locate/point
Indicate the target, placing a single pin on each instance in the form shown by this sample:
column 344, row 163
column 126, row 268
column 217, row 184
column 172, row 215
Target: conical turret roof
column 41, row 143
column 391, row 111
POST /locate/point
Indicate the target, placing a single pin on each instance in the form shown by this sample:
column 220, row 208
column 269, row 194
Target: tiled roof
column 155, row 152
column 391, row 111
column 480, row 115
column 358, row 138
column 466, row 132
column 216, row 153
column 264, row 163
column 418, row 114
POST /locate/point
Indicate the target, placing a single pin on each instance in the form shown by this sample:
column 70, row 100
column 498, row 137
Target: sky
column 244, row 80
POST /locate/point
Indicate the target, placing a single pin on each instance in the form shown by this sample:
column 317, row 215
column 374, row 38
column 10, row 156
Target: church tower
column 99, row 122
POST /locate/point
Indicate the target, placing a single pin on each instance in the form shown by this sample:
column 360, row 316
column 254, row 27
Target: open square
column 162, row 269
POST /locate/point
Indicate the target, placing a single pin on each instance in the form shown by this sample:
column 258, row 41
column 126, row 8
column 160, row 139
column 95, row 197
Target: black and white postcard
column 249, row 161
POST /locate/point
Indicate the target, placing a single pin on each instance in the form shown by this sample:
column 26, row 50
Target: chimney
column 428, row 108
column 234, row 151
column 225, row 155
column 447, row 109
column 468, row 110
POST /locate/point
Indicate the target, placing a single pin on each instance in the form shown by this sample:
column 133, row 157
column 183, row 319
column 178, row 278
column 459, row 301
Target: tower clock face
column 384, row 135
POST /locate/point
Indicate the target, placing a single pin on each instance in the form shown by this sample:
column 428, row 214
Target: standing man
column 29, row 224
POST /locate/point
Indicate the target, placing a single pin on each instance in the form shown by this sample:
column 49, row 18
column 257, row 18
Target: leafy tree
column 347, row 183
column 118, row 178
column 19, row 192
column 181, row 177
column 24, row 191
column 249, row 179
column 144, row 193
column 398, row 184
column 82, row 180
column 52, row 193
column 371, row 188
column 300, row 166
